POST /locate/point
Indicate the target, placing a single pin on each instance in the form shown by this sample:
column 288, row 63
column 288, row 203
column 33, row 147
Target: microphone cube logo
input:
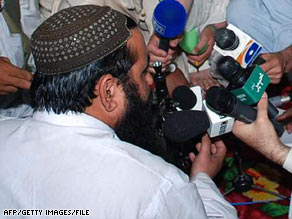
column 254, row 87
column 219, row 124
column 249, row 54
column 223, row 128
column 158, row 27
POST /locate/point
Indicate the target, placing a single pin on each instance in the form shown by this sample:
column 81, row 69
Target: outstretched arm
column 261, row 135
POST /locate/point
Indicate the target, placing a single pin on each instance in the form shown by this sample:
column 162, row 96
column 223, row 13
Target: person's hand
column 203, row 79
column 274, row 66
column 261, row 134
column 286, row 118
column 175, row 79
column 207, row 37
column 210, row 157
column 12, row 78
column 156, row 54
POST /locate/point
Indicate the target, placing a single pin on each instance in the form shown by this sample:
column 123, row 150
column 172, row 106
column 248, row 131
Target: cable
column 255, row 202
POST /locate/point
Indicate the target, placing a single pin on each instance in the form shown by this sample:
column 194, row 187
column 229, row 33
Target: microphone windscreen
column 228, row 67
column 185, row 97
column 218, row 99
column 169, row 18
column 181, row 126
column 226, row 39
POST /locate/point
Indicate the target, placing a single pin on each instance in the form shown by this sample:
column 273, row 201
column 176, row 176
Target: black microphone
column 160, row 82
column 185, row 97
column 222, row 101
column 237, row 76
column 226, row 39
column 181, row 126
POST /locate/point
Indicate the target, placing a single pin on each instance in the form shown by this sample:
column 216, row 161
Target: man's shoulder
column 10, row 120
column 152, row 164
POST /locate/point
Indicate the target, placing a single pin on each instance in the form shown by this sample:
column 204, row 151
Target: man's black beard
column 137, row 125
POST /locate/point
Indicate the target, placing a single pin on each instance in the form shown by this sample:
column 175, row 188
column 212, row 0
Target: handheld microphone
column 231, row 41
column 248, row 84
column 278, row 101
column 181, row 126
column 190, row 40
column 226, row 39
column 192, row 99
column 160, row 82
column 219, row 124
column 223, row 102
column 188, row 98
column 165, row 105
column 169, row 19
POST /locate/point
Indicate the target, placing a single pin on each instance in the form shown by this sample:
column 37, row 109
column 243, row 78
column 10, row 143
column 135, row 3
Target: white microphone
column 219, row 124
column 233, row 42
column 188, row 98
column 278, row 101
column 193, row 99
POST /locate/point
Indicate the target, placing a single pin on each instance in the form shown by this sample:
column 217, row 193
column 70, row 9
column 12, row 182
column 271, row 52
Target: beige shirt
column 202, row 13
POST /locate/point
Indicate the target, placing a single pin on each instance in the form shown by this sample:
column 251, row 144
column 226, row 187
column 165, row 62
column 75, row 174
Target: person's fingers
column 195, row 83
column 12, row 75
column 282, row 117
column 265, row 56
column 158, row 52
column 286, row 115
column 198, row 147
column 19, row 83
column 213, row 149
column 168, row 62
column 220, row 148
column 153, row 59
column 206, row 144
column 200, row 59
column 206, row 84
column 153, row 49
column 202, row 43
column 192, row 156
column 194, row 62
column 6, row 89
column 267, row 66
column 174, row 42
column 275, row 78
column 22, row 74
column 262, row 107
column 191, row 60
column 151, row 70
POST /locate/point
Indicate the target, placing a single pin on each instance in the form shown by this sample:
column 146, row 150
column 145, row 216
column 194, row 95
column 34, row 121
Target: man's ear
column 107, row 88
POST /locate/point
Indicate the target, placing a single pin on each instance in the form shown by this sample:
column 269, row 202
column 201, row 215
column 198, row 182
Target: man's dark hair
column 73, row 91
